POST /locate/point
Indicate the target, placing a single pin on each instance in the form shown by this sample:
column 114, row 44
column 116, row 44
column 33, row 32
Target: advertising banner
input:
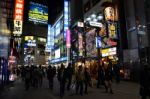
column 38, row 13
column 68, row 39
column 98, row 42
column 80, row 41
column 91, row 50
column 112, row 30
column 18, row 17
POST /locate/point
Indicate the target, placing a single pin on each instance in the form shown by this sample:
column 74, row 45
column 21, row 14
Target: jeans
column 79, row 86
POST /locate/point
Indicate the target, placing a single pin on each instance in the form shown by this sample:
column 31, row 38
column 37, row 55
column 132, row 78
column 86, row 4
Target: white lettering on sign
column 18, row 17
column 19, row 5
column 96, row 24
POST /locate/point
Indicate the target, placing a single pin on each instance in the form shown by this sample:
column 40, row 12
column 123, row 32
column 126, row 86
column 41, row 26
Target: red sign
column 111, row 42
column 19, row 8
column 18, row 17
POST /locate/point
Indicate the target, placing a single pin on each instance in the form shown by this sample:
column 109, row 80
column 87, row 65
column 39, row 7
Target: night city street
column 124, row 90
column 75, row 49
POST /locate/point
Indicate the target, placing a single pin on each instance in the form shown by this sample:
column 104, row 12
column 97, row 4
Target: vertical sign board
column 80, row 44
column 50, row 38
column 48, row 47
column 66, row 17
column 18, row 17
column 68, row 39
column 98, row 42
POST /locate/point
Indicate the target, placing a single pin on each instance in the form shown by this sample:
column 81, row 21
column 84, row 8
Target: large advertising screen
column 38, row 13
column 91, row 50
column 57, row 53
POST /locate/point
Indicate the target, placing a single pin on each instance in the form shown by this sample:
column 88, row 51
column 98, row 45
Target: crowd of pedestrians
column 78, row 80
column 32, row 76
column 69, row 79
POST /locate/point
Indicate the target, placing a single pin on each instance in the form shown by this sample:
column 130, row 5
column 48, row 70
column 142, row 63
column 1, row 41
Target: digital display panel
column 91, row 50
column 109, row 51
column 38, row 13
column 57, row 53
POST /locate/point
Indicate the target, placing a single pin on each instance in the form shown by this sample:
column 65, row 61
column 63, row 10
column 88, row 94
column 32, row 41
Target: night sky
column 55, row 8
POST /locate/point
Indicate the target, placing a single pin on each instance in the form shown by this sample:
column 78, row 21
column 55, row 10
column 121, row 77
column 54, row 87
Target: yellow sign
column 109, row 13
column 17, row 27
column 29, row 38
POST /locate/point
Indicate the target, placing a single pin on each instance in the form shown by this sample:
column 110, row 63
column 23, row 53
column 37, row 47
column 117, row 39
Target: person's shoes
column 61, row 95
column 86, row 92
column 106, row 91
column 81, row 94
column 68, row 89
column 111, row 92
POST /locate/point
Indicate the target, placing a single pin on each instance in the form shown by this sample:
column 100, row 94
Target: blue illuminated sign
column 50, row 39
column 98, row 42
column 66, row 17
column 58, row 60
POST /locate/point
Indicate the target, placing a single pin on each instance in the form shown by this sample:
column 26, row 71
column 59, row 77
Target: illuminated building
column 35, row 29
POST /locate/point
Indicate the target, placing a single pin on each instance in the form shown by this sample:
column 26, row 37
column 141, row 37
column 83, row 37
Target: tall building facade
column 35, row 29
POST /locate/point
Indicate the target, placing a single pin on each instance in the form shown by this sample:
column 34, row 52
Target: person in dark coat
column 100, row 78
column 27, row 77
column 80, row 80
column 87, row 80
column 145, row 82
column 117, row 72
column 108, row 74
column 40, row 75
column 69, row 71
column 50, row 76
column 62, row 79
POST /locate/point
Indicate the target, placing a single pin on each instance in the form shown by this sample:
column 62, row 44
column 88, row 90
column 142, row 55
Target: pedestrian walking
column 100, row 75
column 50, row 77
column 117, row 72
column 79, row 80
column 36, row 77
column 62, row 79
column 108, row 74
column 145, row 82
column 41, row 72
column 87, row 80
column 69, row 71
column 27, row 78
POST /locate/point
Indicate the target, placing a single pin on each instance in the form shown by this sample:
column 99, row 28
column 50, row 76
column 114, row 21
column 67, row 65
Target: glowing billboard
column 68, row 39
column 18, row 17
column 38, row 13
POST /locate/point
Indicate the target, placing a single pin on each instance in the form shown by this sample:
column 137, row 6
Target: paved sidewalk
column 124, row 90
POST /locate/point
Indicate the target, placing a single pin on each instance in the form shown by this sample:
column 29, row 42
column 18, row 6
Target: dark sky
column 55, row 8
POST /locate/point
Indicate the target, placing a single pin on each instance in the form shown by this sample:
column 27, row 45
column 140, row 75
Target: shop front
column 34, row 50
column 102, row 38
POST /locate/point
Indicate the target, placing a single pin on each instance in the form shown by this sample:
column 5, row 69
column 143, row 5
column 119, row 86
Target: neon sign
column 66, row 16
column 18, row 17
